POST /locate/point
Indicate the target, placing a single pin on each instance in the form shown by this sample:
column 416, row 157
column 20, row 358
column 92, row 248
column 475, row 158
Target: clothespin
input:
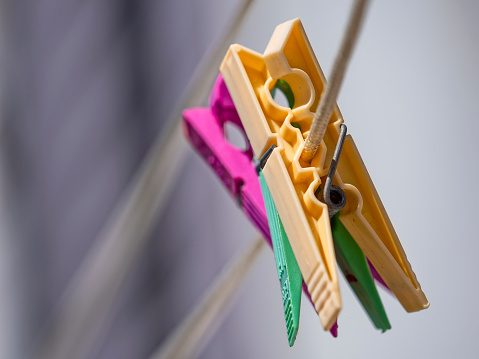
column 250, row 77
column 204, row 128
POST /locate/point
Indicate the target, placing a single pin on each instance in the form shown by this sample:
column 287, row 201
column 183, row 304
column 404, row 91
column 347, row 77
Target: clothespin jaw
column 355, row 268
column 366, row 220
column 250, row 77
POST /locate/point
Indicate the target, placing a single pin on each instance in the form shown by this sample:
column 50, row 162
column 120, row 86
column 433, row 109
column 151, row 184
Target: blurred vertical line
column 88, row 299
column 193, row 334
column 10, row 316
column 11, row 271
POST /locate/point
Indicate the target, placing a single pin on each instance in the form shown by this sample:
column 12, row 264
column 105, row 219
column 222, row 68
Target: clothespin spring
column 264, row 158
column 333, row 195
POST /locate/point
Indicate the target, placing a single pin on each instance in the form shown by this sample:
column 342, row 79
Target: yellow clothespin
column 250, row 77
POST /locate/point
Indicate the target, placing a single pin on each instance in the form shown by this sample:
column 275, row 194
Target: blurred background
column 86, row 88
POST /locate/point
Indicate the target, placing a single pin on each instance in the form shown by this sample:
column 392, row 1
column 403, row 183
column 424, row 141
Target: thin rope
column 328, row 99
column 193, row 334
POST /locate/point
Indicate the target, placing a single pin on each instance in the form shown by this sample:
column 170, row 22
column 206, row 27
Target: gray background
column 86, row 87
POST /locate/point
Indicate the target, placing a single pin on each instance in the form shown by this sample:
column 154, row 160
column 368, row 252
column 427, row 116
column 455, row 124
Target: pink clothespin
column 204, row 127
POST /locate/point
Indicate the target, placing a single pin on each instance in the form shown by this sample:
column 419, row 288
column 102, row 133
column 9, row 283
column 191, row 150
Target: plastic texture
column 204, row 127
column 250, row 77
column 355, row 268
column 290, row 277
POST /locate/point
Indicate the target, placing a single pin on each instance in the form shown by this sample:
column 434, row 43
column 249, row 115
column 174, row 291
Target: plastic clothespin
column 250, row 77
column 204, row 129
column 354, row 266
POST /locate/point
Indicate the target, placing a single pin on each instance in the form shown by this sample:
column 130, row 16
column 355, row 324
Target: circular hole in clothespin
column 283, row 94
column 236, row 136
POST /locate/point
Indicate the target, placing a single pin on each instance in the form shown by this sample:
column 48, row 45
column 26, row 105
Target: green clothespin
column 354, row 266
column 290, row 277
